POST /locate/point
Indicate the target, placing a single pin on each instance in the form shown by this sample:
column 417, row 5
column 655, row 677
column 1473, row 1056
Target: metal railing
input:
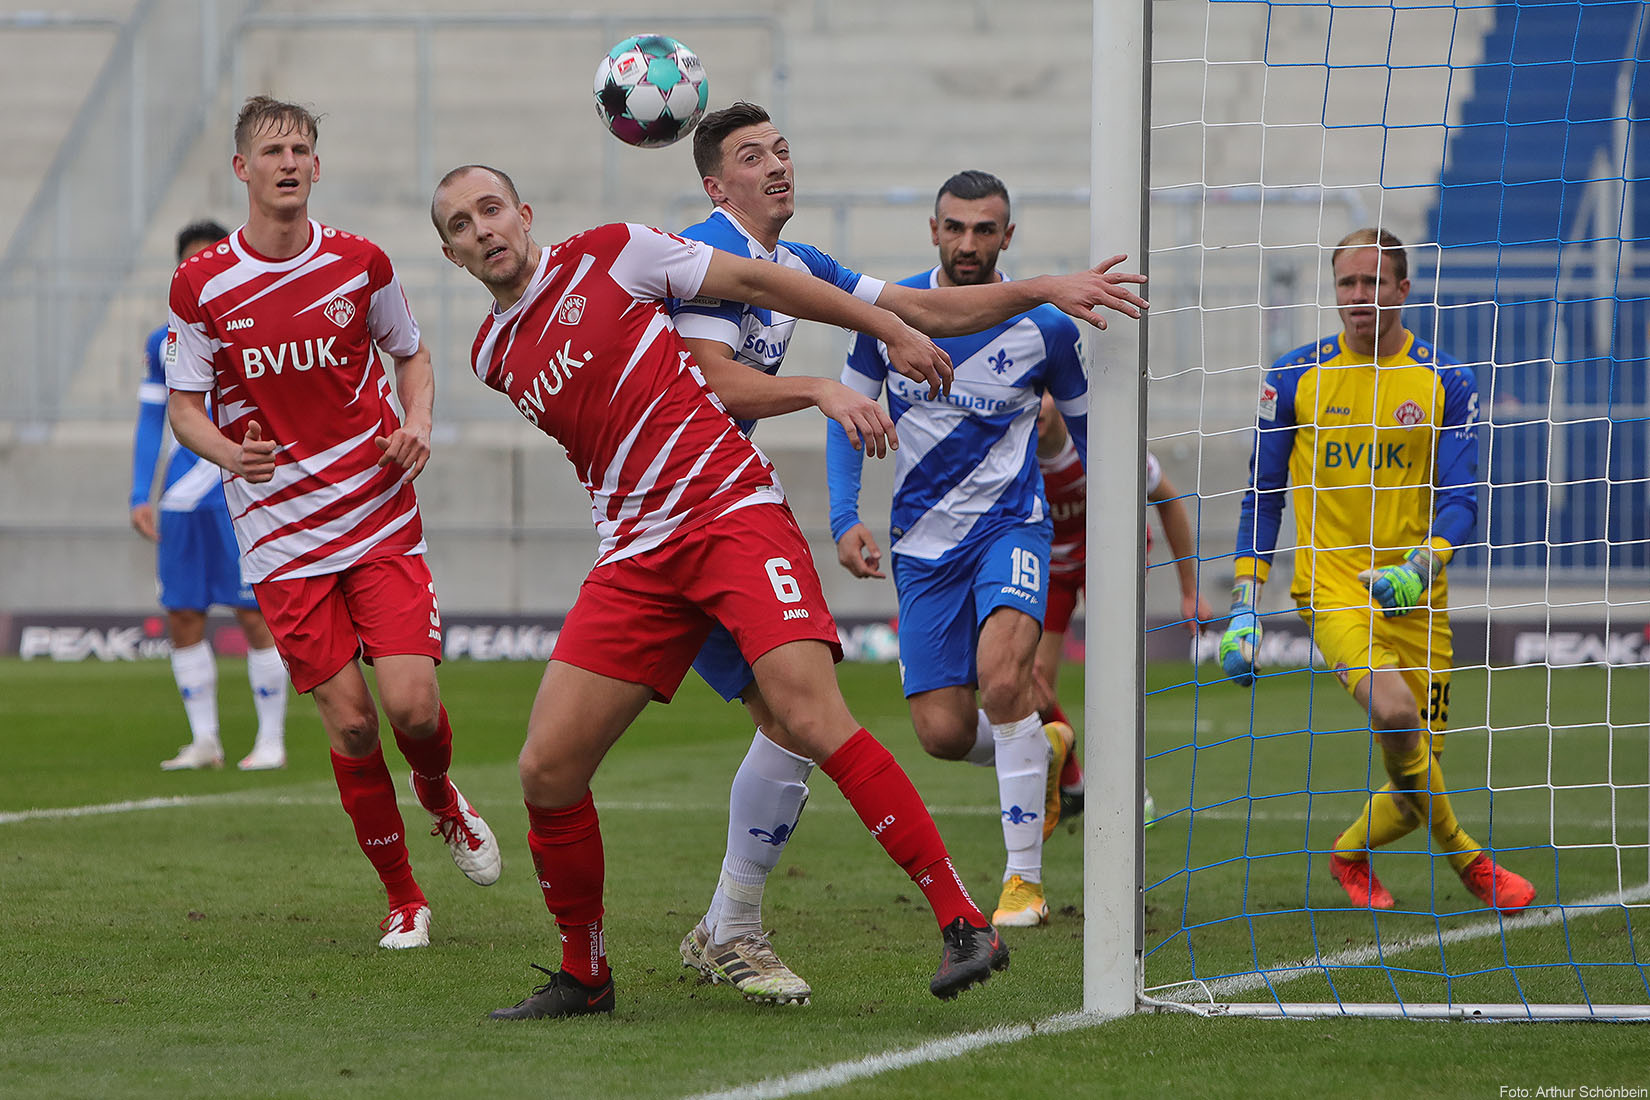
column 78, row 238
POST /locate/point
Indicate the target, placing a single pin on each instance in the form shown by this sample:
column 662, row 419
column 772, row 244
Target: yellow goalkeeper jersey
column 1382, row 456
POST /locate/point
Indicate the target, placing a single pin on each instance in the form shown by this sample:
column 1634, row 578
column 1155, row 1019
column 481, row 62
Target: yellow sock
column 1420, row 776
column 1385, row 818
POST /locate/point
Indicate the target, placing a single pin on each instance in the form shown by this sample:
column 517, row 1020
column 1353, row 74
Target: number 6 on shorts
column 784, row 585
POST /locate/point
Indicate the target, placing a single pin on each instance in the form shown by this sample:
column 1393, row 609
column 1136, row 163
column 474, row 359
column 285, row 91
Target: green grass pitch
column 225, row 944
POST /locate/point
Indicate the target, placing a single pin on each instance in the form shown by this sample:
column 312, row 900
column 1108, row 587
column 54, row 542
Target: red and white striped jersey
column 289, row 343
column 589, row 355
column 1066, row 486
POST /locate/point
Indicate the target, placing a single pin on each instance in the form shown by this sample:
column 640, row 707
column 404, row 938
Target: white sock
column 1023, row 754
column 984, row 752
column 268, row 677
column 196, row 672
column 764, row 804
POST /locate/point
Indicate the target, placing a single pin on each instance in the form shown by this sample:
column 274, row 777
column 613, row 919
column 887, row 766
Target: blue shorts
column 199, row 562
column 942, row 604
column 722, row 666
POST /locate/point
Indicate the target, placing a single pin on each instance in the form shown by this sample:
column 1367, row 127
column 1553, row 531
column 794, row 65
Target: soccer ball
column 650, row 90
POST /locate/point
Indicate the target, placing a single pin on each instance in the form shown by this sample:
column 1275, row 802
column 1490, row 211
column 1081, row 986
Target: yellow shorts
column 1355, row 641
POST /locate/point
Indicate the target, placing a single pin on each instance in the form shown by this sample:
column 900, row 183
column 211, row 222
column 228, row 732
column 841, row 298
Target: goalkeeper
column 1378, row 433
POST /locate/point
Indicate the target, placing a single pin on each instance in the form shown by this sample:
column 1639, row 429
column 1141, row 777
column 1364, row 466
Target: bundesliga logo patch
column 170, row 356
column 340, row 311
column 1268, row 409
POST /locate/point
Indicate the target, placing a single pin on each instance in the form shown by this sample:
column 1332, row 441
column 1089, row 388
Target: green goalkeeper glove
column 1240, row 645
column 1399, row 589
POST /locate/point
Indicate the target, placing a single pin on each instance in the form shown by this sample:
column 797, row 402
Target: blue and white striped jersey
column 191, row 481
column 966, row 467
column 758, row 336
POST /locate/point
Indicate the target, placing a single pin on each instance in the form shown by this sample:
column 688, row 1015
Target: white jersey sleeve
column 390, row 320
column 659, row 265
column 187, row 355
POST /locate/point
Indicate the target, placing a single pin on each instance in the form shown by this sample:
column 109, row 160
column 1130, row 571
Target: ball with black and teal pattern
column 650, row 90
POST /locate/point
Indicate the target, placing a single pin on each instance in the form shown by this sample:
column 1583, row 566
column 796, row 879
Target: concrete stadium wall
column 875, row 97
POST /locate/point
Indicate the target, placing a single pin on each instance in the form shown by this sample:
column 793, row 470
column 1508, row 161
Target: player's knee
column 944, row 743
column 1396, row 740
column 357, row 733
column 416, row 713
column 1005, row 694
column 548, row 778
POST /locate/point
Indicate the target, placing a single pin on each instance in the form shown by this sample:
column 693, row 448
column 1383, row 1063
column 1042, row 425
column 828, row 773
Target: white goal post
column 1233, row 144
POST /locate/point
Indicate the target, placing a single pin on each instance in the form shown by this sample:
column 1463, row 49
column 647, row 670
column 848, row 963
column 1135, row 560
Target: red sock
column 368, row 795
column 567, row 853
column 430, row 758
column 881, row 793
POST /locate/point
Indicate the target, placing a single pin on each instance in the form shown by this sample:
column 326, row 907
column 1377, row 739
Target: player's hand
column 1196, row 611
column 1240, row 645
column 859, row 553
column 256, row 461
column 867, row 423
column 1081, row 294
column 1399, row 589
column 920, row 359
column 408, row 447
column 143, row 522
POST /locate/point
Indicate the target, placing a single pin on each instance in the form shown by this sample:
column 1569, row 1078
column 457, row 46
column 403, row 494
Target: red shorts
column 379, row 608
column 644, row 619
column 1063, row 590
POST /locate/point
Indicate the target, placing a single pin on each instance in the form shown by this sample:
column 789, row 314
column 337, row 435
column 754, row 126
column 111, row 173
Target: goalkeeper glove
column 1240, row 645
column 1399, row 589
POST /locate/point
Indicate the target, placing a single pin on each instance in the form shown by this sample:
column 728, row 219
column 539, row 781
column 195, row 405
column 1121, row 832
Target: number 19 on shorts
column 1028, row 570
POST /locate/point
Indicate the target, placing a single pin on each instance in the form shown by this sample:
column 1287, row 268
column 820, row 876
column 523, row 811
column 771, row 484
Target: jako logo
column 380, row 841
column 237, row 324
column 881, row 825
column 796, row 613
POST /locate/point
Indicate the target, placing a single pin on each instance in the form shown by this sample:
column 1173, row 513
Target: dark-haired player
column 746, row 170
column 198, row 564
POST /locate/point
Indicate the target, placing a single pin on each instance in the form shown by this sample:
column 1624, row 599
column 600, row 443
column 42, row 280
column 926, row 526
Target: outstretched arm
column 750, row 394
column 958, row 310
column 765, row 284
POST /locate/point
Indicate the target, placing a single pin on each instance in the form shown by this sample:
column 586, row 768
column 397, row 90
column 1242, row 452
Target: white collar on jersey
column 756, row 246
column 533, row 285
column 262, row 264
column 934, row 276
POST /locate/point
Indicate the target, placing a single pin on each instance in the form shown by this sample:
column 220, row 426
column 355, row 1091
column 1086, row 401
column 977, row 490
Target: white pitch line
column 937, row 1050
column 825, row 1077
column 270, row 798
column 174, row 802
